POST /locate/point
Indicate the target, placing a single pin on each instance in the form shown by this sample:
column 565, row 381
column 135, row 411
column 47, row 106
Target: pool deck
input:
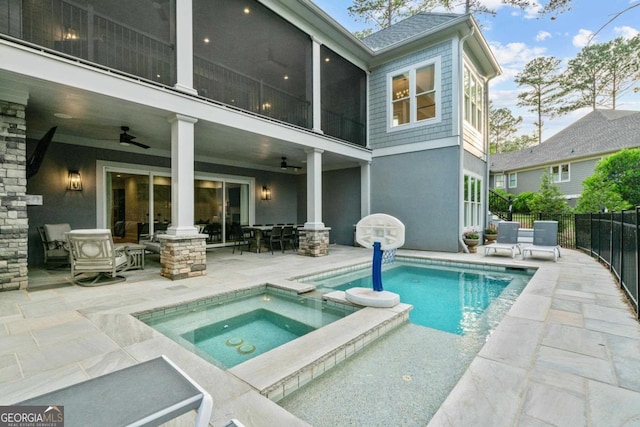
column 567, row 353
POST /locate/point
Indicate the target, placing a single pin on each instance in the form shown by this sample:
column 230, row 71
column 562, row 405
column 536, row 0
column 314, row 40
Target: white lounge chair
column 545, row 239
column 507, row 238
column 147, row 394
column 92, row 253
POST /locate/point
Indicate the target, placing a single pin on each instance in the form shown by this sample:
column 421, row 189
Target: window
column 414, row 95
column 473, row 99
column 498, row 181
column 472, row 202
column 560, row 173
column 513, row 180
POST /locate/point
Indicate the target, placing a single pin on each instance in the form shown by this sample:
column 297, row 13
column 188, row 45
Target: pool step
column 285, row 369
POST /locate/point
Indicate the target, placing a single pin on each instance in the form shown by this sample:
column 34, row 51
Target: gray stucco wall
column 78, row 208
column 378, row 100
column 341, row 203
column 419, row 189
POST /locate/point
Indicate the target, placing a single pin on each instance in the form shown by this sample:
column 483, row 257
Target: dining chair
column 288, row 236
column 276, row 237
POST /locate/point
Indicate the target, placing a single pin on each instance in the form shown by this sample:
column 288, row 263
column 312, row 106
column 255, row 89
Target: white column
column 184, row 47
column 314, row 189
column 317, row 88
column 182, row 175
column 365, row 189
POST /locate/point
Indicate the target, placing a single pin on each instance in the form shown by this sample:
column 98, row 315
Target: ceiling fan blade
column 139, row 144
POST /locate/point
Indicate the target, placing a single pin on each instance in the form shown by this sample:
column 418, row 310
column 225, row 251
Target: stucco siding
column 378, row 100
column 427, row 202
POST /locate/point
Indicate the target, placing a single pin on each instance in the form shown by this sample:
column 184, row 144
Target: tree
column 623, row 171
column 519, row 143
column 549, row 198
column 383, row 13
column 502, row 128
column 541, row 76
column 600, row 74
column 599, row 194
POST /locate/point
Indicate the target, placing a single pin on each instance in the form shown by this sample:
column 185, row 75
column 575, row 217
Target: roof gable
column 598, row 133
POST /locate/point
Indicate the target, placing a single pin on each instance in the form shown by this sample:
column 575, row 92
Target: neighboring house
column 244, row 113
column 569, row 156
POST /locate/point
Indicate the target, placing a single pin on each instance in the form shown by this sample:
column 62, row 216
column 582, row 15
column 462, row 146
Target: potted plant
column 471, row 239
column 490, row 235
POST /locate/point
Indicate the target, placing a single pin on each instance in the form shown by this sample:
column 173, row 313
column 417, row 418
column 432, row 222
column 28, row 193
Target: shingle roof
column 599, row 132
column 403, row 30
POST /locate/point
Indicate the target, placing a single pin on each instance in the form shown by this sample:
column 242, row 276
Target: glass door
column 127, row 205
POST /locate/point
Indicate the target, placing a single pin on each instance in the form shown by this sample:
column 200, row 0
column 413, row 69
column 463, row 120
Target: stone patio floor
column 566, row 354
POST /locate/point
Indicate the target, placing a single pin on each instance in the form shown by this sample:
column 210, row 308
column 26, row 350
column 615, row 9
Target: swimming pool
column 455, row 298
column 229, row 331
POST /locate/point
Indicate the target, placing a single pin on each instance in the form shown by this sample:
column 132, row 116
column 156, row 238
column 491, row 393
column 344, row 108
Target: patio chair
column 275, row 237
column 288, row 236
column 54, row 244
column 507, row 238
column 147, row 394
column 93, row 254
column 244, row 236
column 545, row 239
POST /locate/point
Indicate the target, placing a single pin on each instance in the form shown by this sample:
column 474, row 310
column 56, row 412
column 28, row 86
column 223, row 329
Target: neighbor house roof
column 403, row 30
column 598, row 133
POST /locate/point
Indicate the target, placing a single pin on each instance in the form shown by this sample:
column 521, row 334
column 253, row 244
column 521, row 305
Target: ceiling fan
column 126, row 139
column 285, row 166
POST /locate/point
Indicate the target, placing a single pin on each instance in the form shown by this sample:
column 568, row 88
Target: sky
column 516, row 37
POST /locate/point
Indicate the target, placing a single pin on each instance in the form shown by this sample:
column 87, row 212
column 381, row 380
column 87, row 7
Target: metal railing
column 614, row 238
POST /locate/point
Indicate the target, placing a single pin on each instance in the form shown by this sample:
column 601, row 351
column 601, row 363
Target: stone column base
column 314, row 242
column 182, row 257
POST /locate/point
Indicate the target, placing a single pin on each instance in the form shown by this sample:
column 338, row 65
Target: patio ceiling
column 96, row 120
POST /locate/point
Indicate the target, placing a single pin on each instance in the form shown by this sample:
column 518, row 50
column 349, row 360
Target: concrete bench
column 147, row 394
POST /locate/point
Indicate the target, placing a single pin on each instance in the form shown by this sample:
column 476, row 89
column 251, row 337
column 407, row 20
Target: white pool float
column 370, row 298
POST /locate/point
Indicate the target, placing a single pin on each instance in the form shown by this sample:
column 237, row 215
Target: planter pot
column 471, row 244
column 490, row 238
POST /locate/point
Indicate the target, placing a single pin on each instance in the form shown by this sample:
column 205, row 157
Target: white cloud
column 542, row 35
column 583, row 37
column 626, row 32
column 517, row 54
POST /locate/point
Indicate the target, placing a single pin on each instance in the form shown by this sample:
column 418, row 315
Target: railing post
column 637, row 284
column 510, row 214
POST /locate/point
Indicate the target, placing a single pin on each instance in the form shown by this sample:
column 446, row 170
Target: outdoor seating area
column 542, row 238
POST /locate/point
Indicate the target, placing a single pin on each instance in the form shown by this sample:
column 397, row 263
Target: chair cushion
column 55, row 232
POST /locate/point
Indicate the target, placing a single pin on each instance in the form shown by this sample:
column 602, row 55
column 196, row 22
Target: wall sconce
column 266, row 193
column 75, row 181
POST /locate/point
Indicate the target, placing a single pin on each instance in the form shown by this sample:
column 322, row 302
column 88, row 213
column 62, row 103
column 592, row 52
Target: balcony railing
column 83, row 33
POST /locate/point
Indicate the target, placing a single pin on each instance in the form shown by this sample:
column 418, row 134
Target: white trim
column 418, row 146
column 509, row 179
column 559, row 166
column 437, row 86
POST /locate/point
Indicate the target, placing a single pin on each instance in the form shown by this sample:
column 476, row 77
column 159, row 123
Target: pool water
column 228, row 331
column 449, row 299
column 232, row 341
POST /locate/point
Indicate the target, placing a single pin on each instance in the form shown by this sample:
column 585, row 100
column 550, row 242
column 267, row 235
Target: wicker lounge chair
column 507, row 238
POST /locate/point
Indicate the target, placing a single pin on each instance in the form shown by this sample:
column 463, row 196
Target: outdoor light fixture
column 75, row 181
column 266, row 193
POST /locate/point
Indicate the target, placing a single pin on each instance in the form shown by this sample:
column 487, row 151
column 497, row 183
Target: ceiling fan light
column 124, row 143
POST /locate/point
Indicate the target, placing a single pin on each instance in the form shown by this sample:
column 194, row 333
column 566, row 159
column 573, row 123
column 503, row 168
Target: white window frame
column 474, row 104
column 473, row 209
column 499, row 181
column 437, row 88
column 513, row 183
column 557, row 177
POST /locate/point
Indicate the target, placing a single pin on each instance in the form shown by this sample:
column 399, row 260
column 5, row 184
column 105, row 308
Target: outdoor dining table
column 260, row 233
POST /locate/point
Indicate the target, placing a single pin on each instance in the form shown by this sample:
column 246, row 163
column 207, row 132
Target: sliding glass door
column 134, row 207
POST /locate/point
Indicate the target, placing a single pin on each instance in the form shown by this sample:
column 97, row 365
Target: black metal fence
column 613, row 237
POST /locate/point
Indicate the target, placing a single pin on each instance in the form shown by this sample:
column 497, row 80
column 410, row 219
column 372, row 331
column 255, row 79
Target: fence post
column 637, row 284
column 510, row 214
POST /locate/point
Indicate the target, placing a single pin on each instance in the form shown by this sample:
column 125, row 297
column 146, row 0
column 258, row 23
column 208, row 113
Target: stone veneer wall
column 314, row 242
column 13, row 205
column 182, row 257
